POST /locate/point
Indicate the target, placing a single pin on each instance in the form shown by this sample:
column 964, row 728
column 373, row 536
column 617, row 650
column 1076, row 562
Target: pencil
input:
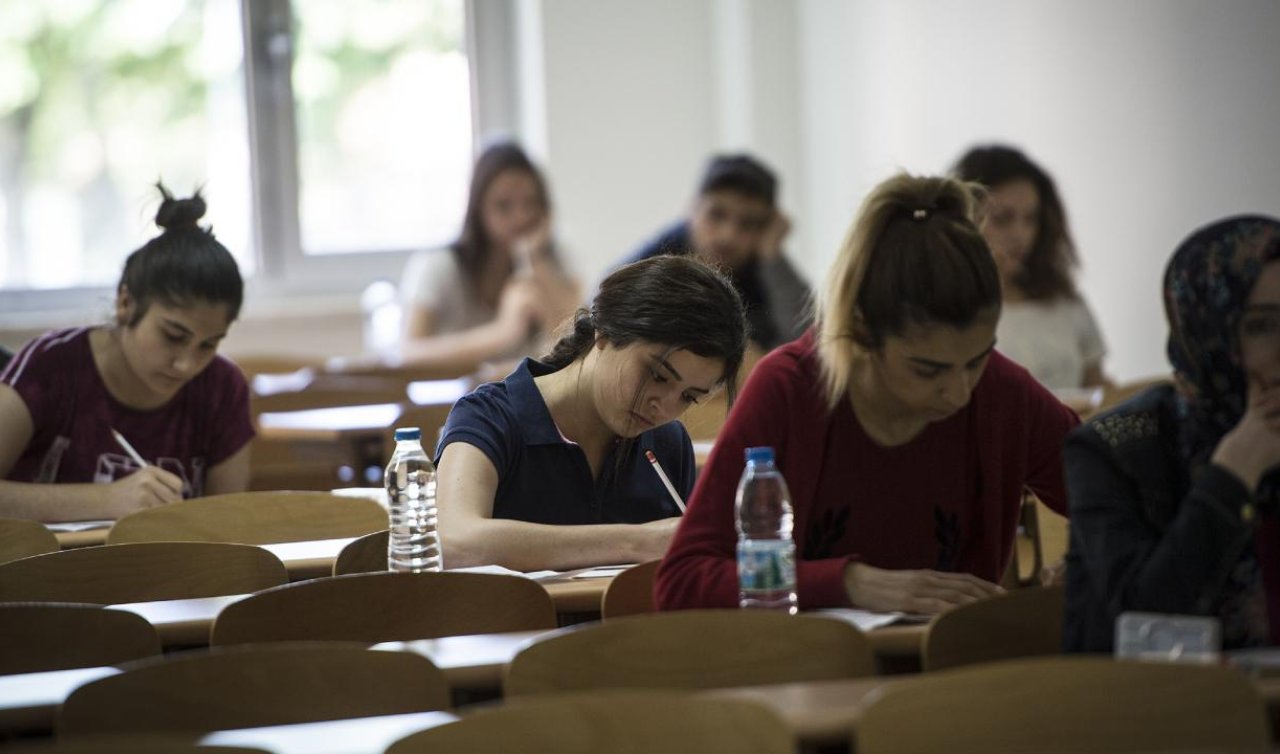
column 665, row 481
column 129, row 449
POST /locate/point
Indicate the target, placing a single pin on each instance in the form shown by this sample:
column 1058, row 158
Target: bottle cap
column 408, row 433
column 762, row 454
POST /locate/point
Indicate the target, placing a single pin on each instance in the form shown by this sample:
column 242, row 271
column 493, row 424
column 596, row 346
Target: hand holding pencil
column 147, row 487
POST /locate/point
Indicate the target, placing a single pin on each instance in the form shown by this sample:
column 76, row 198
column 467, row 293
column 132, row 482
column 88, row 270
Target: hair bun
column 179, row 214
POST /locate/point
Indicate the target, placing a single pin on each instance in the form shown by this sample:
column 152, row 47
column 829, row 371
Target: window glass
column 99, row 99
column 383, row 114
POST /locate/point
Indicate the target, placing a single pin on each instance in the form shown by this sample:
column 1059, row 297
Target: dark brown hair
column 1047, row 271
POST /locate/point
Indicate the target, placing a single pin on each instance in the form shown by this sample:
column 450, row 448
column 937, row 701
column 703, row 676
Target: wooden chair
column 20, row 538
column 640, row 722
column 1020, row 623
column 253, row 518
column 630, row 592
column 367, row 554
column 693, row 649
column 140, row 573
column 374, row 607
column 1080, row 704
column 244, row 687
column 58, row 636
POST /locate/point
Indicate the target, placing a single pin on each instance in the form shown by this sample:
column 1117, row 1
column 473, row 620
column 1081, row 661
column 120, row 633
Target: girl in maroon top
column 155, row 377
column 905, row 438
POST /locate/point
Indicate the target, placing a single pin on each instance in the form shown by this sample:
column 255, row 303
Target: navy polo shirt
column 542, row 478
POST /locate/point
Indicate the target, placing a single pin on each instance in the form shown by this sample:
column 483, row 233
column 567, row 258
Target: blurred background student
column 547, row 469
column 154, row 376
column 500, row 289
column 734, row 222
column 1046, row 326
column 1173, row 493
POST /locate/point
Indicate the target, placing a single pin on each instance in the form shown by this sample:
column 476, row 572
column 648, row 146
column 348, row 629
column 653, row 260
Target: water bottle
column 414, row 544
column 766, row 551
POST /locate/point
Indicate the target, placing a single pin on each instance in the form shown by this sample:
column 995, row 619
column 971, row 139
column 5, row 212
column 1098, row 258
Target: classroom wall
column 1153, row 115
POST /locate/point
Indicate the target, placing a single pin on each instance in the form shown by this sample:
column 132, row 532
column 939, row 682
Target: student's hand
column 147, row 487
column 923, row 591
column 1252, row 447
column 532, row 247
column 656, row 537
column 774, row 234
column 518, row 303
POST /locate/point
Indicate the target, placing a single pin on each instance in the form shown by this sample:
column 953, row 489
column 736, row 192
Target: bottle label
column 766, row 565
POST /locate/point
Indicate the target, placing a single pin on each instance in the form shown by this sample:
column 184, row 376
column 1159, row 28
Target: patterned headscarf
column 1205, row 288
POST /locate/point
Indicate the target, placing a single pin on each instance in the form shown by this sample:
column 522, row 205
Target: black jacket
column 1147, row 534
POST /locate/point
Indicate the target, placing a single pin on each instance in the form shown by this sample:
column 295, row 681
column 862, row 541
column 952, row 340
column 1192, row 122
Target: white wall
column 1153, row 115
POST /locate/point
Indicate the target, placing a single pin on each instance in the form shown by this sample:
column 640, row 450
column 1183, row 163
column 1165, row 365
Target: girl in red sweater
column 905, row 437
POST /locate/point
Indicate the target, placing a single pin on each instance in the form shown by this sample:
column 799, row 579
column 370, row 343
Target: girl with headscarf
column 1172, row 495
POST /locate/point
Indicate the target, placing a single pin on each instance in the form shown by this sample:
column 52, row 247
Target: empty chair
column 57, row 636
column 1082, row 704
column 692, row 649
column 20, row 538
column 253, row 518
column 630, row 592
column 633, row 721
column 140, row 573
column 1020, row 623
column 245, row 687
column 374, row 607
column 367, row 554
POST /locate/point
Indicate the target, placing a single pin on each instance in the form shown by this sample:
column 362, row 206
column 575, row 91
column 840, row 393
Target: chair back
column 21, row 538
column 139, row 744
column 140, row 573
column 245, row 687
column 1084, row 704
column 367, row 554
column 692, row 649
column 630, row 592
column 58, row 636
column 1019, row 623
column 375, row 607
column 253, row 518
column 640, row 722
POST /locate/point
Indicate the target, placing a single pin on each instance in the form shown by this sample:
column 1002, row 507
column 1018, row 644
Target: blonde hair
column 912, row 256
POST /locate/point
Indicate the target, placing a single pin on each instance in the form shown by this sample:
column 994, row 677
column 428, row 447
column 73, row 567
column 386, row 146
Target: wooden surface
column 138, row 572
column 691, row 649
column 362, row 735
column 614, row 720
column 630, row 592
column 374, row 607
column 20, row 538
column 1019, row 623
column 244, row 687
column 70, row 540
column 253, row 518
column 188, row 622
column 57, row 636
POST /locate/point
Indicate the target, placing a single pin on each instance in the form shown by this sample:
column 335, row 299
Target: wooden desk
column 818, row 712
column 361, row 735
column 187, row 623
column 309, row 559
column 28, row 701
column 314, row 448
column 473, row 663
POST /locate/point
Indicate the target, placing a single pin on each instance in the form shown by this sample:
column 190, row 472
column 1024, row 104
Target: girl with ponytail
column 154, row 377
column 905, row 438
column 547, row 469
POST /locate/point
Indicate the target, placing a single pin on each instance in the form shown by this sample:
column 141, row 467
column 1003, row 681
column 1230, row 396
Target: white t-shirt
column 432, row 280
column 1055, row 340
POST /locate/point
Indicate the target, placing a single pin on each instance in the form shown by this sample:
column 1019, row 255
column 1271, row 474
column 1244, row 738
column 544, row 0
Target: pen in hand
column 653, row 460
column 129, row 449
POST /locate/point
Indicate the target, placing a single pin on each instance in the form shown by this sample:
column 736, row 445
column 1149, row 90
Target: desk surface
column 361, row 735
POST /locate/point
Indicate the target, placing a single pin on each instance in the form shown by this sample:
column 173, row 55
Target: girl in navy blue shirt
column 547, row 469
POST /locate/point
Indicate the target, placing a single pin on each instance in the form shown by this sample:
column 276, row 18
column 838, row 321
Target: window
column 329, row 136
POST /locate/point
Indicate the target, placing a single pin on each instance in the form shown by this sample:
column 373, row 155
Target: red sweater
column 947, row 500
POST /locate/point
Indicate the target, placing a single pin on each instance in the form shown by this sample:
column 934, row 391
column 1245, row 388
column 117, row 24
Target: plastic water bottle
column 766, row 551
column 414, row 544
